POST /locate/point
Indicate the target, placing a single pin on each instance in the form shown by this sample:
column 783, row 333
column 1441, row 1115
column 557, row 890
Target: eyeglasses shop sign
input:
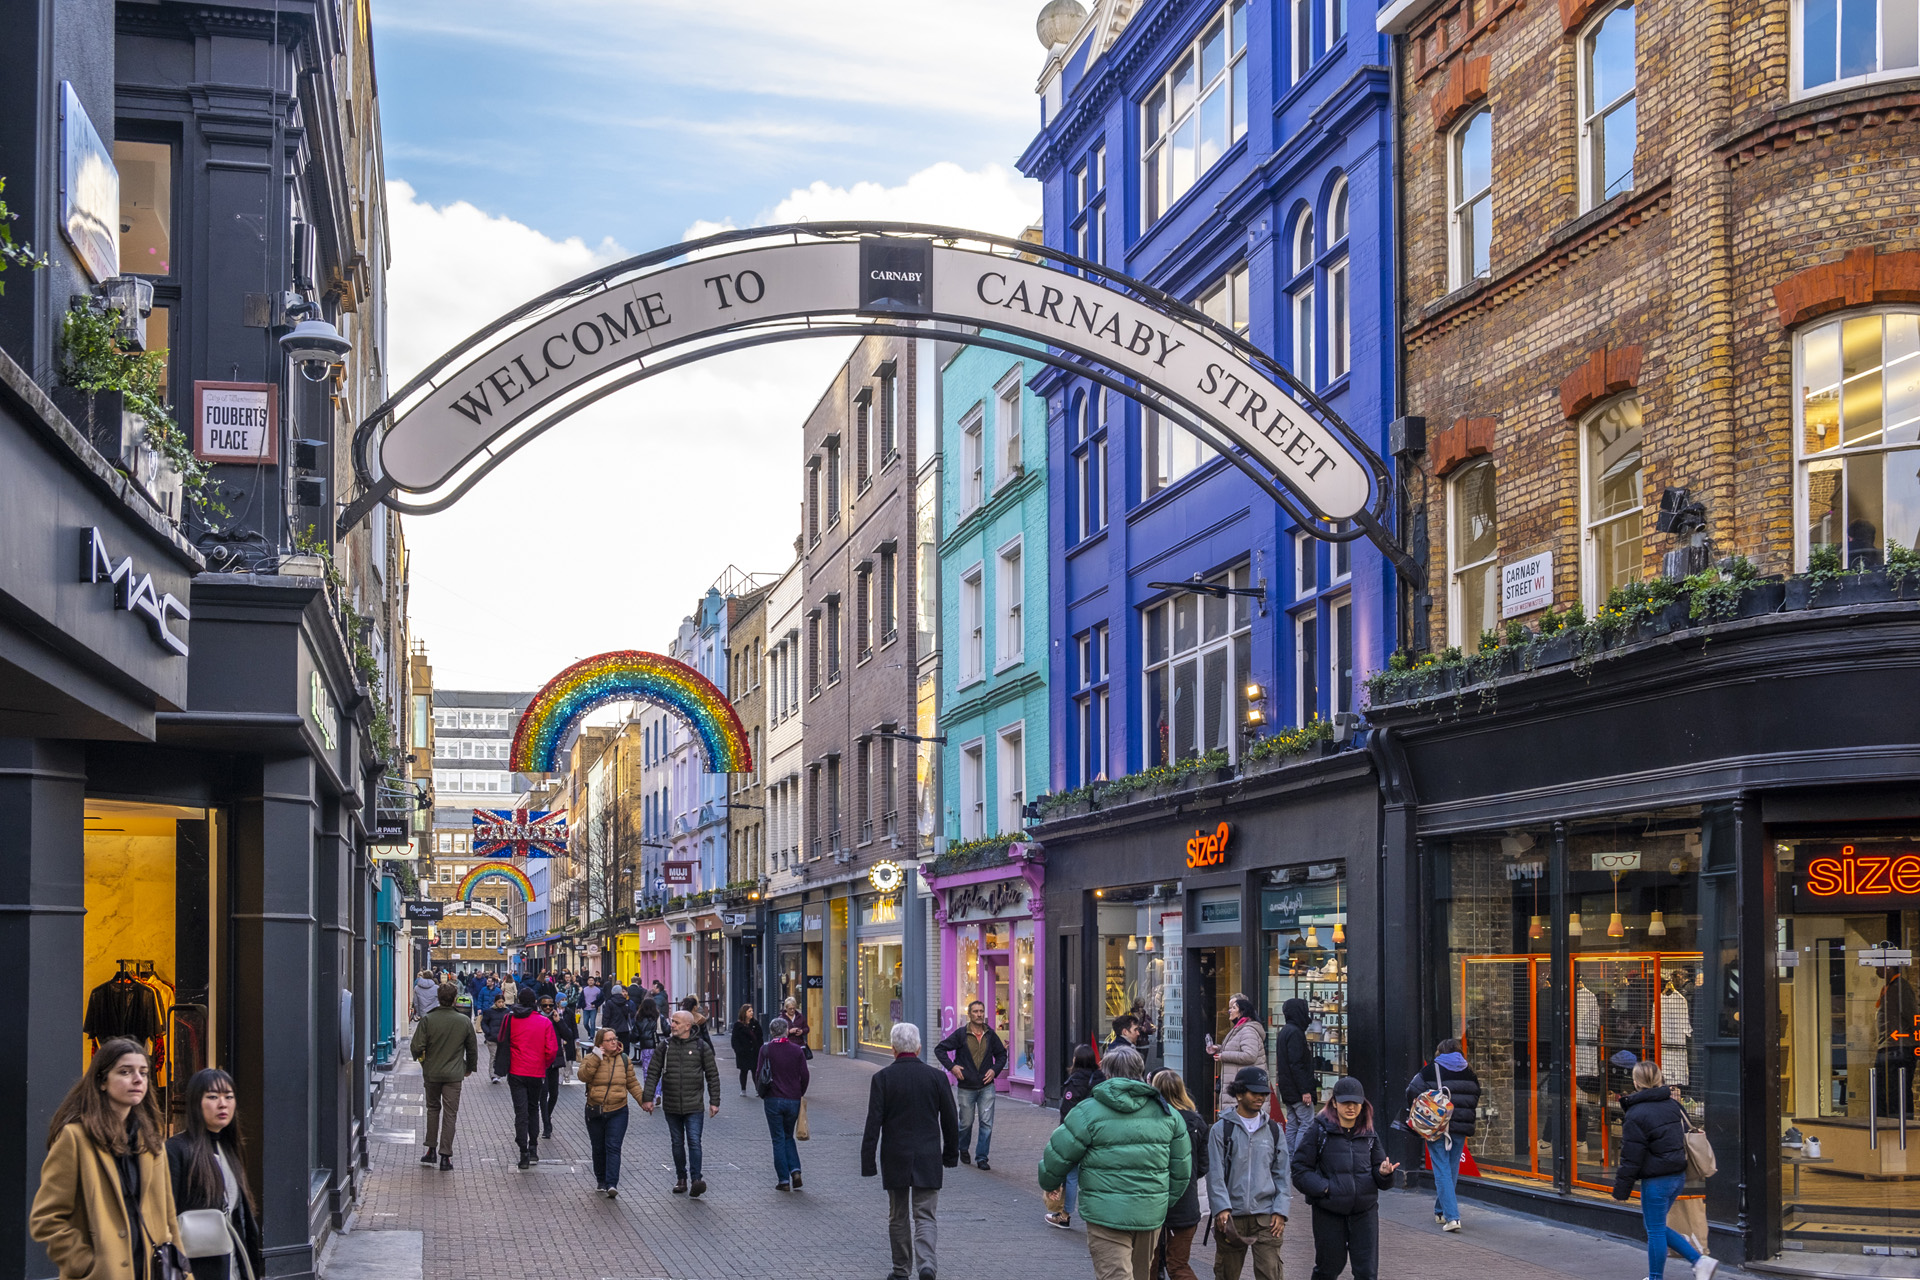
column 1526, row 585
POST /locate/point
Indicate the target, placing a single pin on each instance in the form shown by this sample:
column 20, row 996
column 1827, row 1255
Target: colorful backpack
column 1432, row 1112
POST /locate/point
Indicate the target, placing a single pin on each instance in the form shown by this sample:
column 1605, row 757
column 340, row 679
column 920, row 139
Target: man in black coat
column 1295, row 1082
column 914, row 1126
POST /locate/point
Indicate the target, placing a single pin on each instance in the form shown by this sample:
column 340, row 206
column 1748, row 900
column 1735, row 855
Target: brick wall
column 1736, row 189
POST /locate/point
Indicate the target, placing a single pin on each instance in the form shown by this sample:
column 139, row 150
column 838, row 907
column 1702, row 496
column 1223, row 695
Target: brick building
column 1660, row 272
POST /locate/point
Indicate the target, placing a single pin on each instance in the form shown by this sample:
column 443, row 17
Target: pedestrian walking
column 1183, row 1220
column 490, row 1023
column 528, row 1045
column 1341, row 1167
column 207, row 1165
column 1653, row 1152
column 566, row 1023
column 1450, row 1073
column 1083, row 1073
column 590, row 1010
column 1135, row 1161
column 1126, row 1034
column 912, row 1138
column 690, row 1005
column 607, row 1075
column 782, row 1065
column 444, row 1046
column 1248, row 1181
column 1294, row 1079
column 797, row 1026
column 426, row 994
column 643, row 1032
column 550, row 1095
column 748, row 1036
column 618, row 1012
column 105, row 1203
column 1245, row 1046
column 975, row 1057
column 682, row 1075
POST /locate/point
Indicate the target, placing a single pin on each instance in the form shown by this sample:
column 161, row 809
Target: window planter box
column 1872, row 586
column 1674, row 616
column 1551, row 652
column 1762, row 598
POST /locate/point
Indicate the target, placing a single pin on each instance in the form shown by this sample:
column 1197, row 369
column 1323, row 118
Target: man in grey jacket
column 1247, row 1181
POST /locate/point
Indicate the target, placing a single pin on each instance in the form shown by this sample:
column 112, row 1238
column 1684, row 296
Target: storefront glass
column 995, row 966
column 1849, row 1035
column 1141, row 955
column 880, row 994
column 1020, row 1047
column 1632, row 986
column 1303, row 916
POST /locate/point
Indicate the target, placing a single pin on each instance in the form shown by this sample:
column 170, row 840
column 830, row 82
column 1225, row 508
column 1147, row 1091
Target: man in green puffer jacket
column 1135, row 1161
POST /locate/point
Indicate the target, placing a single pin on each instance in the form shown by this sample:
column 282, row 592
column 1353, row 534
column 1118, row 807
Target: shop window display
column 1303, row 916
column 1141, row 956
column 880, row 994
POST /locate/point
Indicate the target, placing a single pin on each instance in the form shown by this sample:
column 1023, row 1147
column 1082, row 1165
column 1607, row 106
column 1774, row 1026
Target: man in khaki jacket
column 445, row 1048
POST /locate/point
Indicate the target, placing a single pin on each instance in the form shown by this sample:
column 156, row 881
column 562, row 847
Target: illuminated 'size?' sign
column 1845, row 877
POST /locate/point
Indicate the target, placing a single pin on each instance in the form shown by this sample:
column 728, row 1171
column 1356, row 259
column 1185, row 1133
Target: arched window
column 1609, row 107
column 1303, row 242
column 1473, row 554
column 1611, row 502
column 1470, row 200
column 1339, row 286
column 1857, row 438
column 1302, row 300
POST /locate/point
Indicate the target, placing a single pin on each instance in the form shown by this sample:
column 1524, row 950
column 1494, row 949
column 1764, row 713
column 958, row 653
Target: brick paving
column 486, row 1219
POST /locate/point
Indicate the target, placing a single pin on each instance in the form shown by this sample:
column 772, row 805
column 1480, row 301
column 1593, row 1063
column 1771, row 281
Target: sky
column 528, row 143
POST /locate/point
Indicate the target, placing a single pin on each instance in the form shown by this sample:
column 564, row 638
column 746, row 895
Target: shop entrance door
column 1506, row 1030
column 1849, row 1085
column 1217, row 978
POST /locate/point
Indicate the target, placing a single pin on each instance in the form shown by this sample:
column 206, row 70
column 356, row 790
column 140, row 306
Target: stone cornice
column 1816, row 119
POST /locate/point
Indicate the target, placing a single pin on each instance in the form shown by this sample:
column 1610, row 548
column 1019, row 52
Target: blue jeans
column 686, row 1131
column 782, row 1115
column 587, row 1018
column 1656, row 1198
column 976, row 1102
column 606, row 1131
column 1072, row 1190
column 1446, row 1176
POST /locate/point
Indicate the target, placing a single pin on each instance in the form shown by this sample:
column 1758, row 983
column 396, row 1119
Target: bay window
column 1857, row 438
column 1841, row 43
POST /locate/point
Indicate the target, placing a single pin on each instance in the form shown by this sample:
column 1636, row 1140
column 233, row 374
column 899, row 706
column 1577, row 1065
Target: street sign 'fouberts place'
column 524, row 381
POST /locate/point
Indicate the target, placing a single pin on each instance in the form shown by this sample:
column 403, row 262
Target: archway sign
column 629, row 675
column 475, row 405
column 496, row 871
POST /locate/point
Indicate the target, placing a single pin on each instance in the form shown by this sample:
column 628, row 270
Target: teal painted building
column 993, row 589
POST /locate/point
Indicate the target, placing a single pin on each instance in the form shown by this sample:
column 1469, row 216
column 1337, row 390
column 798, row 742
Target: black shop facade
column 1261, row 883
column 1702, row 850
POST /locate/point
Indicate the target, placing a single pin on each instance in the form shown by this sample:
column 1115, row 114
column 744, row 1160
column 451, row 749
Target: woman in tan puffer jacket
column 1245, row 1046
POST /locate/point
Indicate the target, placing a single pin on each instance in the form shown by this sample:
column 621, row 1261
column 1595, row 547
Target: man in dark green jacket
column 684, row 1074
column 1135, row 1161
column 445, row 1048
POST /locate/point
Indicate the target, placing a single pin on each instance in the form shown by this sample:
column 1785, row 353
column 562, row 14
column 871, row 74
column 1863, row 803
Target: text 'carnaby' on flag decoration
column 519, row 833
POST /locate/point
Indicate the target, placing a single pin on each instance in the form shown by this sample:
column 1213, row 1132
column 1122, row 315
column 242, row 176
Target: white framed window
column 1857, row 488
column 1089, row 462
column 1841, row 43
column 1302, row 32
column 1199, row 653
column 1336, row 22
column 1306, row 566
column 1195, row 112
column 833, row 483
column 1473, row 551
column 1010, row 592
column 889, row 415
column 862, row 440
column 1010, row 777
column 1087, row 204
column 1611, row 503
column 973, row 459
column 1470, row 199
column 1090, row 672
column 1226, row 301
column 886, row 603
column 1340, row 654
column 1609, row 107
column 1168, row 450
column 973, row 626
column 1302, row 300
column 973, row 789
column 1339, row 287
column 1306, row 666
column 1006, row 426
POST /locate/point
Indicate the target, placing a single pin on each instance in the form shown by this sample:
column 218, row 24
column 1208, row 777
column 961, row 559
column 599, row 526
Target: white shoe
column 1451, row 1224
column 1705, row 1267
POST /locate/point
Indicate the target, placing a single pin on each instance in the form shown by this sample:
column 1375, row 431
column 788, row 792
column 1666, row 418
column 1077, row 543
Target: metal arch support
column 1082, row 360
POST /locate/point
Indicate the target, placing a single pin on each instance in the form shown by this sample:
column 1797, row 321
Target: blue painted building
column 1239, row 156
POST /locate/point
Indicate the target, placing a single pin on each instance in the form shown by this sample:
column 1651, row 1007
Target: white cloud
column 944, row 194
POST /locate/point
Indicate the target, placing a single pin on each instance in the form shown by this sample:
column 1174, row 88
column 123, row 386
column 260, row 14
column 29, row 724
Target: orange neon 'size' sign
column 1205, row 850
column 1847, row 877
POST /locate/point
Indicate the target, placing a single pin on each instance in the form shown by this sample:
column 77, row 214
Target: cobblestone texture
column 485, row 1219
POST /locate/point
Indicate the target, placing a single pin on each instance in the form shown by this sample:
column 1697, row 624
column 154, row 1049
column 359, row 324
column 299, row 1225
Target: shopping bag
column 1689, row 1217
column 1468, row 1168
column 800, row 1130
column 1701, row 1163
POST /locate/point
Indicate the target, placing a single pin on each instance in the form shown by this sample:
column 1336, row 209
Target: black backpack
column 763, row 1074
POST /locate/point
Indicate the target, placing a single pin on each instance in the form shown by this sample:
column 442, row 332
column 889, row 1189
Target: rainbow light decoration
column 630, row 675
column 496, row 871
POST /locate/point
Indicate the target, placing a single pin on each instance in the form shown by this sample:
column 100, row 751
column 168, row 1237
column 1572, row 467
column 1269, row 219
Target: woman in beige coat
column 1245, row 1046
column 106, row 1131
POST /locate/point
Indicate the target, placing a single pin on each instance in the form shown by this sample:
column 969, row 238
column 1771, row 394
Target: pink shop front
column 991, row 923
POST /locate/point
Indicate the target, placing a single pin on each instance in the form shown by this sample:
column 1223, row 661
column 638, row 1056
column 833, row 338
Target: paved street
column 486, row 1219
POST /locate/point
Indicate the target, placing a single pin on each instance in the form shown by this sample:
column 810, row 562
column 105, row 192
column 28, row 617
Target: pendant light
column 1573, row 925
column 1616, row 927
column 1657, row 927
column 1133, row 942
column 1537, row 927
column 1339, row 919
column 1313, row 935
column 1149, row 942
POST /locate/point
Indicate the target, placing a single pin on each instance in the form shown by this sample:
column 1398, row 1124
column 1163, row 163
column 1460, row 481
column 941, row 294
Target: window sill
column 1591, row 218
column 967, row 682
column 1336, row 386
column 1009, row 664
column 1454, row 299
column 887, row 641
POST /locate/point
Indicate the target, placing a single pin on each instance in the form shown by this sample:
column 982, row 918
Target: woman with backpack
column 1441, row 1102
column 1341, row 1166
column 1083, row 1074
column 1653, row 1152
column 1176, row 1238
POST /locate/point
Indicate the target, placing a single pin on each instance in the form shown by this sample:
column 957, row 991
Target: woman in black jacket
column 208, row 1164
column 1082, row 1075
column 1176, row 1239
column 1341, row 1167
column 747, row 1039
column 1448, row 1070
column 1653, row 1150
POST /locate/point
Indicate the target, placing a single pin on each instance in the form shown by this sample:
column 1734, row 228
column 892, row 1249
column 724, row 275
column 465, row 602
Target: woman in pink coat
column 1245, row 1046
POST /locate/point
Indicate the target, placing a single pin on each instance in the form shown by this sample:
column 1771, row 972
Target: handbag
column 167, row 1262
column 205, row 1233
column 800, row 1131
column 763, row 1074
column 1701, row 1163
